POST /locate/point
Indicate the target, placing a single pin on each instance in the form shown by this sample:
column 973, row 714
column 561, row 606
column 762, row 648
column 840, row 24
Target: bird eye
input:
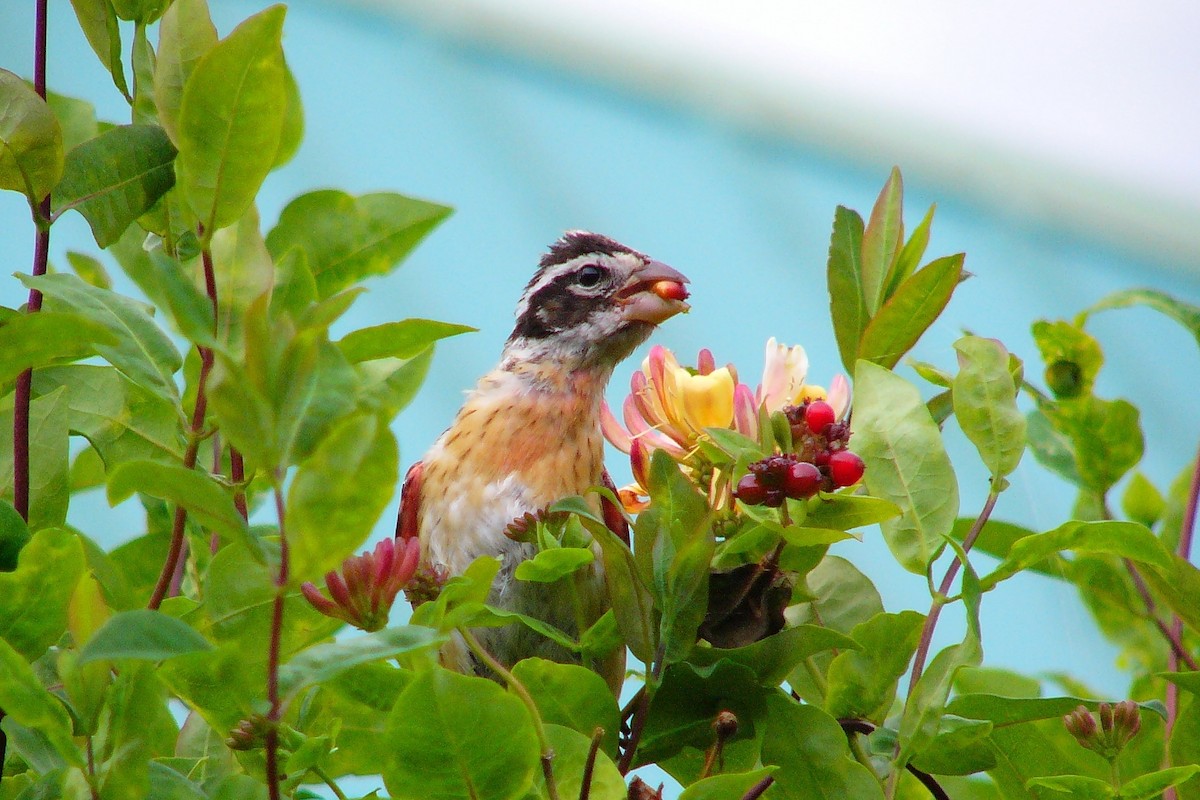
column 590, row 276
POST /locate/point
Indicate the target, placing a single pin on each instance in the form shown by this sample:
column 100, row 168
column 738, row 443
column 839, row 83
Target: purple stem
column 272, row 738
column 41, row 254
column 1186, row 532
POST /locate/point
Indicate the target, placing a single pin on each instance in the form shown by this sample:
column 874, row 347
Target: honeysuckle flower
column 366, row 588
column 1118, row 723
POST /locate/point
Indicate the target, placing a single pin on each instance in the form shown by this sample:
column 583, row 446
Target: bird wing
column 409, row 517
column 613, row 517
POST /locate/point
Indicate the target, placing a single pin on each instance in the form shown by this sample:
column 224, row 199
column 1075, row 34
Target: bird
column 529, row 435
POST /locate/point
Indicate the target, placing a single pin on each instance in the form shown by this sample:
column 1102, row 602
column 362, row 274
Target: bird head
column 591, row 302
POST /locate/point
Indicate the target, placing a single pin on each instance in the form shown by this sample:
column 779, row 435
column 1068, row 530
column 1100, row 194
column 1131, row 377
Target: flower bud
column 725, row 725
column 1108, row 730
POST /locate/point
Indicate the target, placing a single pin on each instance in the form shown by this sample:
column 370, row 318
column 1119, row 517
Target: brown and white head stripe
column 592, row 301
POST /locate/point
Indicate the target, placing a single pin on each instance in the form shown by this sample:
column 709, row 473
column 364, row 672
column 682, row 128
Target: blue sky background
column 523, row 151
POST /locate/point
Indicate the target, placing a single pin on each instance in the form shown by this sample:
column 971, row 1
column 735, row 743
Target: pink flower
column 368, row 584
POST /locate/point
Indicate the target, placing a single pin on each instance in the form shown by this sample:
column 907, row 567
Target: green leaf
column 1142, row 502
column 231, row 120
column 143, row 60
column 27, row 703
column 1152, row 784
column 1185, row 314
column 1106, row 437
column 1184, row 742
column 633, row 605
column 89, row 270
column 847, row 511
column 185, row 34
column 571, row 696
column 997, row 538
column 116, row 177
column 906, row 464
column 76, row 117
column 1072, row 356
column 338, row 494
column 862, row 683
column 909, row 312
column 926, row 704
column 31, row 148
column 143, row 352
column 1179, row 587
column 403, row 339
column 325, row 661
column 1126, row 539
column 347, row 239
column 293, row 120
column 14, row 535
column 389, row 385
column 295, row 288
column 847, row 302
column 910, row 256
column 442, row 741
column 960, row 747
column 985, row 404
column 207, row 501
column 34, row 598
column 122, row 421
column 35, row 340
column 881, row 242
column 142, row 635
column 1189, row 681
column 570, row 755
column 810, row 750
column 142, row 11
column 1051, row 448
column 726, row 787
column 99, row 23
column 773, row 658
column 551, row 565
column 1077, row 787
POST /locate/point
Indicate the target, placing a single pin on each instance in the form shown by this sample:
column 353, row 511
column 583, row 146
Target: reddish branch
column 276, row 712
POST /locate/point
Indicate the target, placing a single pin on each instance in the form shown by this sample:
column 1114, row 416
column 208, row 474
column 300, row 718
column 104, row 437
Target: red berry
column 803, row 480
column 774, row 498
column 845, row 468
column 750, row 491
column 818, row 415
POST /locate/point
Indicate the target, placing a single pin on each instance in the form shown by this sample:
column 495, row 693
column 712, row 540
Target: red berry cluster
column 819, row 460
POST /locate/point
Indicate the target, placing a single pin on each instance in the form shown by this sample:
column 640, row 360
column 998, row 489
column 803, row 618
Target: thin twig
column 521, row 692
column 756, row 791
column 1174, row 639
column 585, row 788
column 1184, row 550
column 276, row 712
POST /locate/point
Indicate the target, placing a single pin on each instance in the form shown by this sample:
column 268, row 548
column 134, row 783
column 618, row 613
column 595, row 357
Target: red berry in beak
column 845, row 468
column 670, row 290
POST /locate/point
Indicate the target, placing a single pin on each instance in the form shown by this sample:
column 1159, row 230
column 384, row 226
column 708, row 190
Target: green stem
column 333, row 787
column 819, row 682
column 521, row 692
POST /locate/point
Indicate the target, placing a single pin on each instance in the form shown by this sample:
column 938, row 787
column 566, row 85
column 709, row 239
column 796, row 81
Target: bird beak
column 653, row 293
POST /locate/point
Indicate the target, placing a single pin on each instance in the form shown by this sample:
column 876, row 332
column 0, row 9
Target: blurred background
column 1058, row 141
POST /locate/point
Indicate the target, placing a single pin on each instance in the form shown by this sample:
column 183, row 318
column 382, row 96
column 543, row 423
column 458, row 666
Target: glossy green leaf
column 244, row 273
column 726, row 787
column 295, row 287
column 1051, row 448
column 960, row 747
column 906, row 464
column 98, row 20
column 997, row 538
column 909, row 312
column 773, row 658
column 985, row 404
column 1077, row 787
column 173, row 291
column 326, row 661
column 206, row 500
column 1186, row 314
column 847, row 303
column 847, row 511
column 1178, row 586
column 27, row 703
column 144, row 353
column 862, row 683
column 185, row 34
column 231, row 120
column 1106, row 437
column 347, row 239
column 881, row 242
column 115, row 178
column 572, row 696
column 403, row 339
column 122, row 421
column 570, row 754
column 910, row 255
column 293, row 120
column 1126, row 539
column 551, row 565
column 143, row 62
column 14, row 535
column 389, row 385
column 31, row 148
column 143, row 11
column 34, row 597
column 1184, row 742
column 810, row 749
column 443, row 744
column 338, row 494
column 1152, row 785
column 142, row 635
column 35, row 340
